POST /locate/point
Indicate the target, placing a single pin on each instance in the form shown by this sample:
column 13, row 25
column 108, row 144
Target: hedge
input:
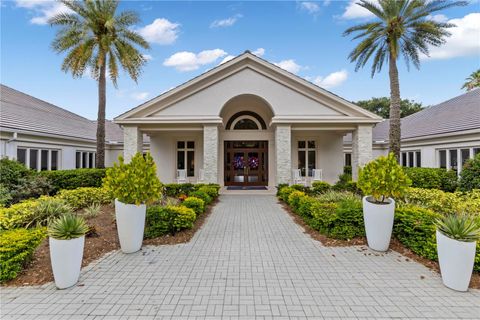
column 162, row 220
column 198, row 205
column 470, row 175
column 16, row 248
column 432, row 178
column 83, row 197
column 73, row 179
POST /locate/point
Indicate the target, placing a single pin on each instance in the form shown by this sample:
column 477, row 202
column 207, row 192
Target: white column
column 210, row 153
column 361, row 147
column 132, row 142
column 283, row 152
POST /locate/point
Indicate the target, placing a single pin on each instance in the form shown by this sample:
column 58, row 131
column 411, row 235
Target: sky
column 190, row 37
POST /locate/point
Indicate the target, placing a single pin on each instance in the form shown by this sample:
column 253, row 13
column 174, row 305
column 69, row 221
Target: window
column 404, row 159
column 476, row 151
column 453, row 159
column 465, row 154
column 84, row 159
column 443, row 159
column 38, row 159
column 44, row 160
column 245, row 124
column 411, row 159
column 186, row 157
column 306, row 157
column 33, row 159
column 348, row 159
column 418, row 156
column 22, row 156
column 54, row 160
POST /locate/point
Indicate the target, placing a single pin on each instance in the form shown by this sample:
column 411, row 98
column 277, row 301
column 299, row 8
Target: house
column 441, row 136
column 248, row 122
column 46, row 137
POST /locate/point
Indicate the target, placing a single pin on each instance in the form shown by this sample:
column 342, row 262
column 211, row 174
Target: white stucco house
column 248, row 122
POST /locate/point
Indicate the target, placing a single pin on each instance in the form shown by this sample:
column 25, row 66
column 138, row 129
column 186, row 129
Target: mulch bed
column 103, row 240
column 395, row 245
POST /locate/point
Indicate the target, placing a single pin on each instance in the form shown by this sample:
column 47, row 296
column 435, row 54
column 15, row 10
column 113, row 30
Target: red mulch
column 395, row 245
column 103, row 240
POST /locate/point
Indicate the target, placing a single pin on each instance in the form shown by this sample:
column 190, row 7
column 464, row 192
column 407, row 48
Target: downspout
column 13, row 138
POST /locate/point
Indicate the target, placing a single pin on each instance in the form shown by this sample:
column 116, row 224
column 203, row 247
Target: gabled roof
column 245, row 60
column 22, row 112
column 458, row 114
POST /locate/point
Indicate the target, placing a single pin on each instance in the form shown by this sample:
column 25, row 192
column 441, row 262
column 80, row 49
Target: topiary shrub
column 319, row 187
column 383, row 178
column 432, row 178
column 470, row 175
column 198, row 205
column 167, row 220
column 135, row 182
column 16, row 248
column 73, row 179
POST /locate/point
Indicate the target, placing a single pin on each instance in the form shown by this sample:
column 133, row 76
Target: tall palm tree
column 401, row 28
column 98, row 40
column 473, row 81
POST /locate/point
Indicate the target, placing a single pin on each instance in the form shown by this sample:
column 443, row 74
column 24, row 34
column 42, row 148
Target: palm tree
column 473, row 81
column 402, row 28
column 98, row 40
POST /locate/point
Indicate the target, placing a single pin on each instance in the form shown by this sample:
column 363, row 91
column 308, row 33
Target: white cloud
column 189, row 61
column 464, row 41
column 160, row 31
column 259, row 52
column 43, row 10
column 334, row 79
column 227, row 58
column 225, row 22
column 289, row 65
column 147, row 57
column 327, row 2
column 354, row 11
column 140, row 96
column 438, row 17
column 311, row 7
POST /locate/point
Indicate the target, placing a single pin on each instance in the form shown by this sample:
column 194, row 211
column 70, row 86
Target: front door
column 246, row 163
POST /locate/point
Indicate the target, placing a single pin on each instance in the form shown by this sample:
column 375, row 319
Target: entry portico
column 248, row 122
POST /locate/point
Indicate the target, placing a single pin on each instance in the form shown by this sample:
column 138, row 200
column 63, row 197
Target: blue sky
column 188, row 38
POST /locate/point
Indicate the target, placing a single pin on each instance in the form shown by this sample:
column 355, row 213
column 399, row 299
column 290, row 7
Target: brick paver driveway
column 250, row 260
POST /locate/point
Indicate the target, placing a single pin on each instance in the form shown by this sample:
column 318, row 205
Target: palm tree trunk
column 102, row 101
column 395, row 129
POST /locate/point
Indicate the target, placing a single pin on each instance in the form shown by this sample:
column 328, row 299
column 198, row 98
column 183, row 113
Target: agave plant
column 459, row 227
column 67, row 227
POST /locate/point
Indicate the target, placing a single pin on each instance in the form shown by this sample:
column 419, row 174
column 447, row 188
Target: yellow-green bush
column 198, row 205
column 84, row 197
column 294, row 199
column 163, row 220
column 16, row 248
column 17, row 214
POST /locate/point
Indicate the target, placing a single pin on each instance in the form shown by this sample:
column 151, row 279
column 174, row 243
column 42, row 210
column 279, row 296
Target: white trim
column 259, row 125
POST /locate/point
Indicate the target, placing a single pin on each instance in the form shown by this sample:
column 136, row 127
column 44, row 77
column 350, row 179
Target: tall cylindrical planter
column 378, row 220
column 130, row 225
column 456, row 259
column 66, row 258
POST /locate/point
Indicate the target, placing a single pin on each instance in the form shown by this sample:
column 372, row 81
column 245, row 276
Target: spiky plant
column 92, row 210
column 459, row 227
column 67, row 227
column 402, row 28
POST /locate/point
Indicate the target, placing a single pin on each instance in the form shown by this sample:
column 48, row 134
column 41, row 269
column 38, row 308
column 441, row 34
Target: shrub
column 432, row 178
column 84, row 197
column 345, row 183
column 16, row 248
column 383, row 178
column 176, row 189
column 135, row 182
column 283, row 193
column 470, row 175
column 347, row 170
column 415, row 228
column 348, row 222
column 67, row 227
column 305, row 207
column 17, row 215
column 319, row 187
column 5, row 196
column 211, row 191
column 300, row 187
column 201, row 195
column 198, row 205
column 336, row 196
column 12, row 173
column 168, row 220
column 92, row 210
column 30, row 187
column 73, row 179
column 294, row 199
column 280, row 187
column 47, row 209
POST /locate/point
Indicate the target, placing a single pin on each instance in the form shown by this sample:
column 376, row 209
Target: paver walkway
column 249, row 261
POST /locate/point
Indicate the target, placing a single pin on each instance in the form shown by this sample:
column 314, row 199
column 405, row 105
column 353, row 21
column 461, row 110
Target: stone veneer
column 283, row 149
column 133, row 142
column 210, row 153
column 361, row 147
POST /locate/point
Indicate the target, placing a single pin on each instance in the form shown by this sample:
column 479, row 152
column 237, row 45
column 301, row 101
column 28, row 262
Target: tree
column 381, row 106
column 473, row 81
column 402, row 28
column 97, row 39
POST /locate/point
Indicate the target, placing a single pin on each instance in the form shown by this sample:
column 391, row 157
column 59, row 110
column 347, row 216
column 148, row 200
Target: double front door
column 246, row 163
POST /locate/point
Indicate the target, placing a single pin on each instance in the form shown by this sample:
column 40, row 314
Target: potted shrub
column 66, row 240
column 133, row 185
column 381, row 180
column 457, row 237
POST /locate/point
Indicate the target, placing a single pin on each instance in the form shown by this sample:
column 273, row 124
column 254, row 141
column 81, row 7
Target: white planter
column 456, row 259
column 378, row 220
column 66, row 257
column 130, row 225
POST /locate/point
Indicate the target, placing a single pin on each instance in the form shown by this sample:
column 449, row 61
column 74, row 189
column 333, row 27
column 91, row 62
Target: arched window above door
column 246, row 120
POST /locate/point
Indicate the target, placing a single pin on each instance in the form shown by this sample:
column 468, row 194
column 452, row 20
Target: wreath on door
column 253, row 162
column 238, row 162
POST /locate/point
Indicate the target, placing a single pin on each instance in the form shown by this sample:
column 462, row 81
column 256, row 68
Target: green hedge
column 470, row 175
column 83, row 197
column 432, row 178
column 198, row 205
column 16, row 248
column 162, row 220
column 73, row 179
